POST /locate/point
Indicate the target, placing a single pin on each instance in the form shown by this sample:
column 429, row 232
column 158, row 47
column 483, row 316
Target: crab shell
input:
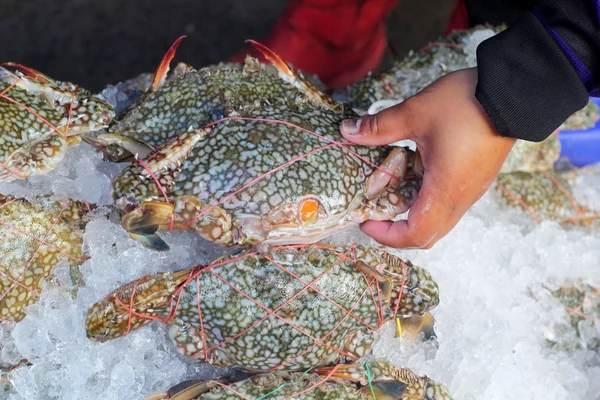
column 383, row 381
column 36, row 237
column 40, row 118
column 189, row 99
column 249, row 182
column 291, row 308
column 280, row 173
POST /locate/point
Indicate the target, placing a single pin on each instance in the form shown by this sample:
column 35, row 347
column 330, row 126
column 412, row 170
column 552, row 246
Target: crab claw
column 163, row 67
column 417, row 165
column 275, row 58
column 393, row 167
column 145, row 220
column 412, row 326
column 152, row 242
column 190, row 390
column 385, row 390
column 30, row 72
column 135, row 304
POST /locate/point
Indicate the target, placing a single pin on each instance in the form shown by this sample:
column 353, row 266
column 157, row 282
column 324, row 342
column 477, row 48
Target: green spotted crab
column 257, row 160
column 5, row 369
column 292, row 308
column 530, row 181
column 580, row 300
column 532, row 156
column 545, row 195
column 411, row 74
column 40, row 118
column 36, row 237
column 375, row 380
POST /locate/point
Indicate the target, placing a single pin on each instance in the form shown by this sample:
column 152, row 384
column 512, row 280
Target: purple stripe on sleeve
column 582, row 70
column 597, row 8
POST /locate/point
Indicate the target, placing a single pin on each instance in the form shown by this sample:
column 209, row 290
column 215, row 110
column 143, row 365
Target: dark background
column 93, row 43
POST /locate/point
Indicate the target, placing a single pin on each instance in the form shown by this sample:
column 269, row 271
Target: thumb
column 387, row 126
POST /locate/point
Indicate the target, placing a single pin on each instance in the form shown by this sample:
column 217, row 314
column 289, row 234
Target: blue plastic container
column 581, row 147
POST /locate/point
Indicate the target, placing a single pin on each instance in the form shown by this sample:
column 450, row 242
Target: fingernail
column 351, row 126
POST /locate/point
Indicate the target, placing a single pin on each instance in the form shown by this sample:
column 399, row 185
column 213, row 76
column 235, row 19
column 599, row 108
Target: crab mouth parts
column 287, row 235
column 126, row 204
column 98, row 337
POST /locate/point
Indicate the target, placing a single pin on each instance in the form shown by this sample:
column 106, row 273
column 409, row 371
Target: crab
column 579, row 297
column 583, row 119
column 40, row 118
column 293, row 307
column 545, row 195
column 534, row 179
column 532, row 156
column 408, row 76
column 275, row 173
column 36, row 237
column 377, row 380
column 5, row 369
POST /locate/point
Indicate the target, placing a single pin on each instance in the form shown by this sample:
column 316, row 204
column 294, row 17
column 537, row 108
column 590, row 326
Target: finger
column 429, row 218
column 388, row 126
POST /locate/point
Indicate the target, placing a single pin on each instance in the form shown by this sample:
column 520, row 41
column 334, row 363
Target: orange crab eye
column 309, row 209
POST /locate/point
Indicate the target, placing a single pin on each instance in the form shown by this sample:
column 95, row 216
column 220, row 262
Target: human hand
column 460, row 148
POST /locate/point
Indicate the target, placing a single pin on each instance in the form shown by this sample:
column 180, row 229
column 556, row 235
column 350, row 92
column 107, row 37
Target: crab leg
column 188, row 390
column 384, row 381
column 162, row 166
column 135, row 147
column 136, row 304
column 304, row 86
column 35, row 82
column 12, row 79
column 377, row 370
column 30, row 72
column 9, row 77
column 383, row 281
column 388, row 390
column 170, row 157
column 40, row 159
column 163, row 67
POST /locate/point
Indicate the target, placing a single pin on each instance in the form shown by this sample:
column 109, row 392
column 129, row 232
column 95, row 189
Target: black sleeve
column 542, row 69
column 496, row 12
